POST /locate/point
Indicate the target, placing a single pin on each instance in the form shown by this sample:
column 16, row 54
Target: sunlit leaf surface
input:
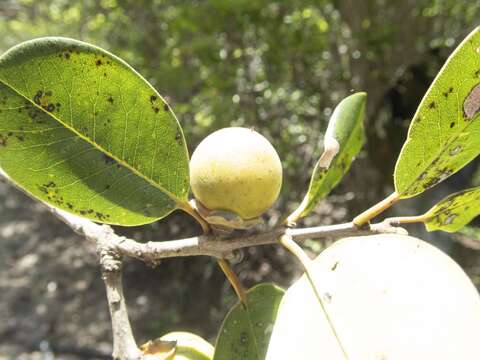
column 81, row 130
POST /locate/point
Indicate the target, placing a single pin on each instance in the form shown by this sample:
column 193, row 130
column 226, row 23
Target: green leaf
column 343, row 140
column 83, row 131
column 454, row 212
column 246, row 330
column 445, row 131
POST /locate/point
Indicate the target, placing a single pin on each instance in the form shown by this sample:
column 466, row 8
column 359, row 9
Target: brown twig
column 124, row 345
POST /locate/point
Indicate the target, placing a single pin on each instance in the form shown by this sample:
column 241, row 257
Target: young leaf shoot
column 343, row 140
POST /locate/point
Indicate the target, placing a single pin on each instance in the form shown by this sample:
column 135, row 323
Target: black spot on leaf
column 243, row 338
column 432, row 105
column 3, row 140
column 178, row 138
column 166, row 107
column 37, row 97
column 108, row 160
column 100, row 216
column 448, row 92
column 110, row 99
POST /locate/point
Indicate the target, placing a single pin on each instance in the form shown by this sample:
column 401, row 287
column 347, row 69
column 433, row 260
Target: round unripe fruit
column 389, row 297
column 238, row 170
column 189, row 346
column 178, row 346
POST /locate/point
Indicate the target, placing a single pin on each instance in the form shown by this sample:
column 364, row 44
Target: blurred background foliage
column 278, row 66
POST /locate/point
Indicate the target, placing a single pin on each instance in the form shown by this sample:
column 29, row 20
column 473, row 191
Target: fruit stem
column 288, row 242
column 194, row 213
column 224, row 265
column 234, row 280
column 376, row 209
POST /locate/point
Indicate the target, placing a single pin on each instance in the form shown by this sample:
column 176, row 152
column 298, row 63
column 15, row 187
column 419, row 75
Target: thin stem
column 396, row 221
column 292, row 219
column 224, row 265
column 307, row 264
column 234, row 280
column 376, row 209
column 194, row 213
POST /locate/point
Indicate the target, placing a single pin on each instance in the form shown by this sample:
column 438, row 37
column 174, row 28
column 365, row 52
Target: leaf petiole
column 189, row 209
column 234, row 280
column 376, row 209
column 396, row 221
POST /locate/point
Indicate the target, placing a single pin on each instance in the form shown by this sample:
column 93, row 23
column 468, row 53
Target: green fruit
column 189, row 346
column 238, row 170
column 178, row 346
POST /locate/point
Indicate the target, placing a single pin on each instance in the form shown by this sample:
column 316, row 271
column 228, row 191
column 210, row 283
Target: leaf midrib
column 175, row 199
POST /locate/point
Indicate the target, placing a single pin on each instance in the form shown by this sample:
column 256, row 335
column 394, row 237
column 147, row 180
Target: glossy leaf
column 445, row 131
column 455, row 211
column 246, row 330
column 81, row 130
column 343, row 140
